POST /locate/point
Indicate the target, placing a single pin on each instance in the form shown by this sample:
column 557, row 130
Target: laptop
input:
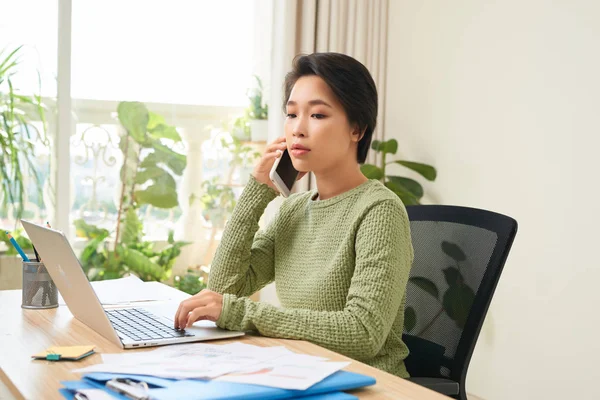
column 128, row 327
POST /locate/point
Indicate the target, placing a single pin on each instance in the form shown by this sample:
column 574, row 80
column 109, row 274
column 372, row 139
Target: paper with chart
column 294, row 371
column 235, row 362
column 186, row 361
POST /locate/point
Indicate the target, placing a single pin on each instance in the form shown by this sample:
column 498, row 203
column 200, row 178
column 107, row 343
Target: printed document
column 236, row 362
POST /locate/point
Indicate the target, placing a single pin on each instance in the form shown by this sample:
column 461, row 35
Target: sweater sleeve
column 383, row 260
column 243, row 262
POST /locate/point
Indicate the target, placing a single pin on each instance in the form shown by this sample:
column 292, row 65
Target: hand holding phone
column 283, row 174
column 262, row 168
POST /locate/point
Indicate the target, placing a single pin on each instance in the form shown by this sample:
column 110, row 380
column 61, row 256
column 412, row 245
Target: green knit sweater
column 340, row 265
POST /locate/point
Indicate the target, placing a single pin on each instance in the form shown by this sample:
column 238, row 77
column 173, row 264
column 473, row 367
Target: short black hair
column 351, row 83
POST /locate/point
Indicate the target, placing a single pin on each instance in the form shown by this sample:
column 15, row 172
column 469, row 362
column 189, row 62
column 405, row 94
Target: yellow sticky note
column 65, row 352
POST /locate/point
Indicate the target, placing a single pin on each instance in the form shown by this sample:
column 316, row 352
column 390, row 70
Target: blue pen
column 19, row 249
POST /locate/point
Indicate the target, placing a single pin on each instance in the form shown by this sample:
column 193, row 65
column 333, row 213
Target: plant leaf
column 190, row 283
column 148, row 173
column 425, row 284
column 16, row 139
column 163, row 131
column 407, row 198
column 161, row 194
column 5, row 66
column 83, row 229
column 175, row 164
column 426, row 171
column 410, row 319
column 157, row 197
column 154, row 120
column 168, row 255
column 376, row 145
column 91, row 248
column 134, row 117
column 129, row 148
column 95, row 273
column 141, row 264
column 390, row 146
column 175, row 161
column 132, row 228
column 409, row 185
column 371, row 171
column 453, row 251
column 457, row 303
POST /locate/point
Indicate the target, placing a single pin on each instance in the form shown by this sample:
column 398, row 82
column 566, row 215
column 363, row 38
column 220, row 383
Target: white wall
column 503, row 97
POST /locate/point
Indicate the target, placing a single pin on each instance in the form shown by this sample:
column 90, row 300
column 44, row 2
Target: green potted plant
column 409, row 190
column 147, row 177
column 239, row 127
column 193, row 281
column 257, row 112
column 18, row 163
column 18, row 136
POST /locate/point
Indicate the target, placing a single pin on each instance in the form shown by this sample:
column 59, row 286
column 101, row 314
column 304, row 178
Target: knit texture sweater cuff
column 256, row 195
column 232, row 313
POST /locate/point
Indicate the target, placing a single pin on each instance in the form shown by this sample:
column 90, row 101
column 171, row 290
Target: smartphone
column 283, row 174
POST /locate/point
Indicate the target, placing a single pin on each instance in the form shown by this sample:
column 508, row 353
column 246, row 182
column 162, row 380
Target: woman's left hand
column 203, row 305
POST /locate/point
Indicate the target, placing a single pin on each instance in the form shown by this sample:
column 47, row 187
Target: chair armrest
column 440, row 385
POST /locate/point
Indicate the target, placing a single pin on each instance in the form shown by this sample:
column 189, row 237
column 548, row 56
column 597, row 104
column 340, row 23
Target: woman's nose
column 299, row 129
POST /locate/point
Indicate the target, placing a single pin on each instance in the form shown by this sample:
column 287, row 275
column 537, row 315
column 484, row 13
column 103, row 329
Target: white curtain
column 357, row 28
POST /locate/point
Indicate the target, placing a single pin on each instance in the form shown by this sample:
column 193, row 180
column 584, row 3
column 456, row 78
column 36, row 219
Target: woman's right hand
column 264, row 165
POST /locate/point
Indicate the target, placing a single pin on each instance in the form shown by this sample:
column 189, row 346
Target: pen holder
column 39, row 290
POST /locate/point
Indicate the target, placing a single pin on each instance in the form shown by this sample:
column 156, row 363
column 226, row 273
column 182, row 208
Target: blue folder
column 167, row 389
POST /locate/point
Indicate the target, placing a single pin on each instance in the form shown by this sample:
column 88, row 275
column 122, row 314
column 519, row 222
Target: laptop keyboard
column 139, row 324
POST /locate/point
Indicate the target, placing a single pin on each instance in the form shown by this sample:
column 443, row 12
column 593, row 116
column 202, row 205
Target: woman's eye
column 291, row 115
column 318, row 116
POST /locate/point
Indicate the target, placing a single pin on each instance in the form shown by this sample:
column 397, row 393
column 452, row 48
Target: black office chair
column 459, row 255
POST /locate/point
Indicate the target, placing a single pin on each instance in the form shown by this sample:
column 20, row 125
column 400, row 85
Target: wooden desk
column 25, row 332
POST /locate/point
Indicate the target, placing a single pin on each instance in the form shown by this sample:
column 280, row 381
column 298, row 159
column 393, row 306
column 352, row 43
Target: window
column 177, row 52
column 37, row 33
column 189, row 60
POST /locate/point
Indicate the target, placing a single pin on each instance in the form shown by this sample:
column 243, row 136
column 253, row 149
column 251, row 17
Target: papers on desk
column 294, row 371
column 236, row 362
column 203, row 361
column 131, row 289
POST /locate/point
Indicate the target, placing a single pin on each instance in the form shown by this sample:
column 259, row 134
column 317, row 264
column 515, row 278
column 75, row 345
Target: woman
column 340, row 255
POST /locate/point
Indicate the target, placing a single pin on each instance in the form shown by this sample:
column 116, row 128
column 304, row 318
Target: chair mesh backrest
column 450, row 263
column 431, row 262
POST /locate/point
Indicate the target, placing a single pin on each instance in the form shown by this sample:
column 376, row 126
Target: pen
column 17, row 247
column 37, row 255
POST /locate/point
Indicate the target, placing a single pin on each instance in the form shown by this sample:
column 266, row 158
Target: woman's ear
column 357, row 135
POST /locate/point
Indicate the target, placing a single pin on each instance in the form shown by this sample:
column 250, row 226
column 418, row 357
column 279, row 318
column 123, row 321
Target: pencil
column 17, row 247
